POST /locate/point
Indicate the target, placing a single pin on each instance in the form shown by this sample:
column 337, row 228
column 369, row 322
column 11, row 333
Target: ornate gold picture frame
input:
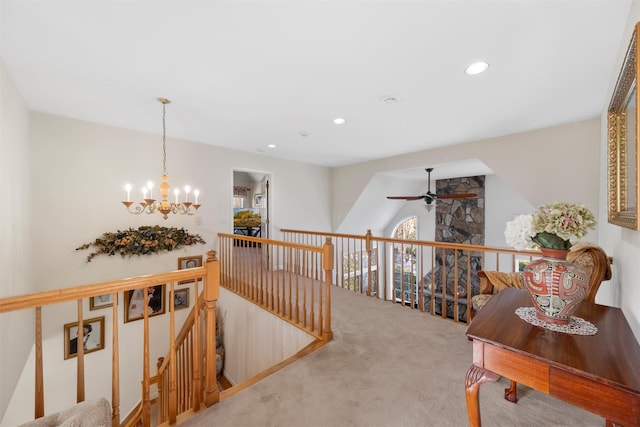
column 624, row 161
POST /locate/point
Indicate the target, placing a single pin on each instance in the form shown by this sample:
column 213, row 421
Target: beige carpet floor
column 386, row 366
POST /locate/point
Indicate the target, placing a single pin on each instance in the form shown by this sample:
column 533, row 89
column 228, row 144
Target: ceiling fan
column 429, row 196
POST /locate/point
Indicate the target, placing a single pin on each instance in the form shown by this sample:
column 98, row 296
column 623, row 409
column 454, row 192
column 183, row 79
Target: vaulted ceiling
column 246, row 74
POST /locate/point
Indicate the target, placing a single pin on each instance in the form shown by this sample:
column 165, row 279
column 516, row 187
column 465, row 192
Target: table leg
column 511, row 392
column 475, row 377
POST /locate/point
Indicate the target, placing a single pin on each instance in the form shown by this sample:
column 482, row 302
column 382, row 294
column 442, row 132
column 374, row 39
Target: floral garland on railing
column 146, row 240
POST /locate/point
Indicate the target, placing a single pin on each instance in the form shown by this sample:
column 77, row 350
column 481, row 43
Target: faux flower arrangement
column 552, row 226
column 145, row 240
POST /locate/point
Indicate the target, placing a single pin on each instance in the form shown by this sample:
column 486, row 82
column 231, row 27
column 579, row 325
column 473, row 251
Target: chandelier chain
column 164, row 140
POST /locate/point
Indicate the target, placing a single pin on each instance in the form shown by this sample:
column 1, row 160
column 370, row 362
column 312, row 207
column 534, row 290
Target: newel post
column 211, row 295
column 327, row 265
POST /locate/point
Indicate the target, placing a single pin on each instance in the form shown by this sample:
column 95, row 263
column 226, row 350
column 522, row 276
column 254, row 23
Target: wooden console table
column 600, row 373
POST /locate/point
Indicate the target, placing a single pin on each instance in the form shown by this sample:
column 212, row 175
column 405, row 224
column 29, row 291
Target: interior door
column 264, row 209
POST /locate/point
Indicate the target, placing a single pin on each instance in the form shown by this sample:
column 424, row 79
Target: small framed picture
column 181, row 298
column 101, row 301
column 189, row 262
column 134, row 302
column 92, row 337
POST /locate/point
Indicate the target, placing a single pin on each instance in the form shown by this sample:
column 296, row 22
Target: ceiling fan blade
column 405, row 197
column 456, row 196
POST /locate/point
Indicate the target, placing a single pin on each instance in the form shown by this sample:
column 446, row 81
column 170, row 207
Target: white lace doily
column 576, row 325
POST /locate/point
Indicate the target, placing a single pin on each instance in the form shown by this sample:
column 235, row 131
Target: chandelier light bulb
column 144, row 192
column 196, row 193
column 176, row 192
column 150, row 187
column 127, row 188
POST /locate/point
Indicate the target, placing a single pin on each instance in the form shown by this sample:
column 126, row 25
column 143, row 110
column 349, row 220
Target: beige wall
column 622, row 243
column 545, row 165
column 15, row 234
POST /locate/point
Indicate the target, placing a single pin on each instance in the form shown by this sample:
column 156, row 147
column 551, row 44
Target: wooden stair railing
column 409, row 272
column 190, row 377
column 292, row 281
column 208, row 275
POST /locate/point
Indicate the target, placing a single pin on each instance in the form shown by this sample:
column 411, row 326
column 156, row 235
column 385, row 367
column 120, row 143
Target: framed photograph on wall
column 257, row 200
column 189, row 262
column 92, row 338
column 134, row 302
column 181, row 299
column 101, row 301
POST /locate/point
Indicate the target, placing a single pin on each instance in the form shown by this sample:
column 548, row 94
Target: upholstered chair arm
column 491, row 282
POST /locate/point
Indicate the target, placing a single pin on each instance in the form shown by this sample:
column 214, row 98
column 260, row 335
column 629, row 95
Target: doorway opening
column 251, row 204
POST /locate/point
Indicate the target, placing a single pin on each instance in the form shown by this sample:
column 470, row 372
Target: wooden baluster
column 146, row 402
column 160, row 385
column 454, row 291
column 291, row 273
column 443, row 285
column 196, row 354
column 304, row 302
column 369, row 255
column 39, row 386
column 115, row 365
column 80, row 356
column 211, row 295
column 173, row 397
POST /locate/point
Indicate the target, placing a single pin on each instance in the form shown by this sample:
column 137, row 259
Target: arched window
column 407, row 229
column 404, row 262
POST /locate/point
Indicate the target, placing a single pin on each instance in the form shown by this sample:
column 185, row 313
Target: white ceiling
column 244, row 74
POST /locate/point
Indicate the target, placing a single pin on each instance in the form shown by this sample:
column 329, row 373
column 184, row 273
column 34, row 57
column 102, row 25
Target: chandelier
column 164, row 207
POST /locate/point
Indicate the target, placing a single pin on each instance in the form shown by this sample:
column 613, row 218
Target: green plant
column 145, row 240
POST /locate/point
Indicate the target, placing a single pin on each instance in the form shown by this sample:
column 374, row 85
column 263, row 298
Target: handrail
column 208, row 276
column 290, row 280
column 410, row 272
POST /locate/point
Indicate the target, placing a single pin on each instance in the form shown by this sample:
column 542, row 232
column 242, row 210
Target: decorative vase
column 556, row 287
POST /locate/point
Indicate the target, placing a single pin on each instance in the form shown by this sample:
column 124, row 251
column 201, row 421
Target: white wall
column 15, row 234
column 254, row 339
column 621, row 243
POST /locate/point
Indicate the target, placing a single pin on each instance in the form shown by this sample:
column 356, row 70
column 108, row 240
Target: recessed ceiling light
column 476, row 68
column 339, row 121
column 303, row 134
column 271, row 146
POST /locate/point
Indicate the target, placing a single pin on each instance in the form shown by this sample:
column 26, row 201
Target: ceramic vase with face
column 556, row 287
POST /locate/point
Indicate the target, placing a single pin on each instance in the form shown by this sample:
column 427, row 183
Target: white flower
column 519, row 232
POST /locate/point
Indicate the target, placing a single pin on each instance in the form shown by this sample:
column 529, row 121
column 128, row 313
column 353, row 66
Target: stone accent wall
column 457, row 221
column 460, row 220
